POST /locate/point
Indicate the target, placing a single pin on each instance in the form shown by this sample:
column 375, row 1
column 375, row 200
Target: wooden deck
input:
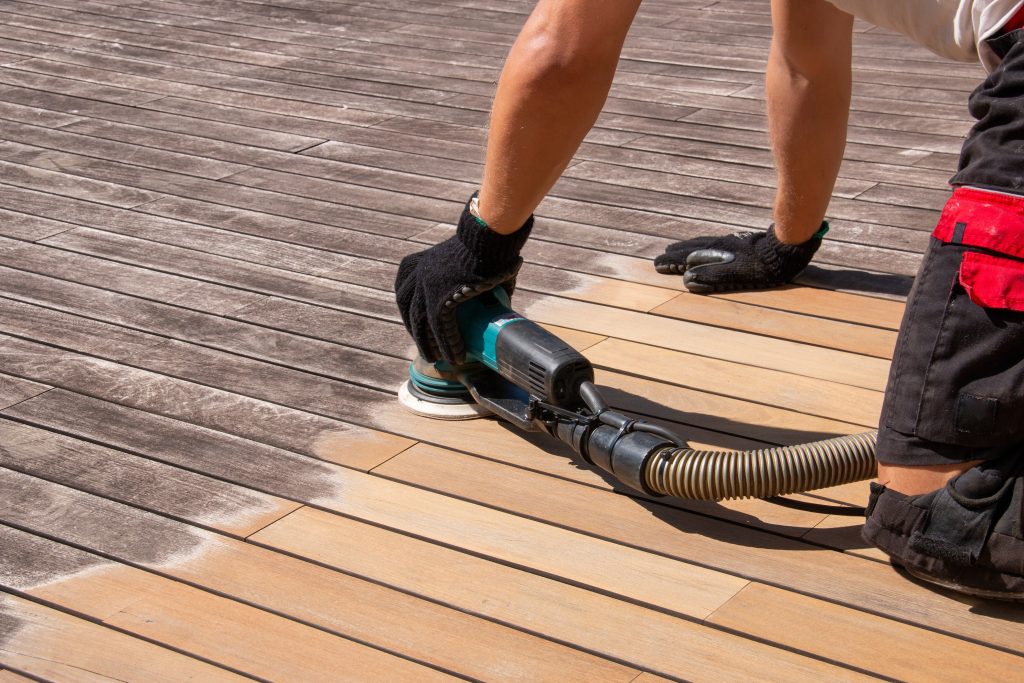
column 204, row 474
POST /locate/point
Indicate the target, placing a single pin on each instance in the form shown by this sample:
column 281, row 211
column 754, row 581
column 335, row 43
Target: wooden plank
column 187, row 619
column 21, row 226
column 751, row 564
column 35, row 115
column 595, row 289
column 239, row 274
column 99, row 148
column 723, row 345
column 105, row 471
column 47, row 108
column 802, row 394
column 765, row 423
column 851, row 308
column 382, row 412
column 860, row 639
column 91, row 337
column 332, row 360
column 628, row 631
column 14, row 390
column 79, row 88
column 829, row 334
column 82, row 188
column 425, row 466
column 51, row 645
column 116, row 175
column 307, row 593
column 129, row 88
column 279, row 183
column 184, row 81
column 149, row 284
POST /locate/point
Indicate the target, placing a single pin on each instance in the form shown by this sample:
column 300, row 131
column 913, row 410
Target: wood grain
column 859, row 639
column 52, row 645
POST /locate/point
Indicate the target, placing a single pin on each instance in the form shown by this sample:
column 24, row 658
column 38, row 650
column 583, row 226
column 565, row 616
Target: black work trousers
column 956, row 387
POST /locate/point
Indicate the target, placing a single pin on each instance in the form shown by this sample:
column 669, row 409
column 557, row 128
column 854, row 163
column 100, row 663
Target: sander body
column 518, row 371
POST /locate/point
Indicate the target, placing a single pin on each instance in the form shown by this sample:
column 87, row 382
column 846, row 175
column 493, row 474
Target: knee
column 550, row 56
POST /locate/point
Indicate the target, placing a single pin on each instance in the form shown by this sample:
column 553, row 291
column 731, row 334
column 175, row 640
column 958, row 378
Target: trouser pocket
column 958, row 371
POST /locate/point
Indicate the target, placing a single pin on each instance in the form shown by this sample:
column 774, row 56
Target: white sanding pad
column 452, row 410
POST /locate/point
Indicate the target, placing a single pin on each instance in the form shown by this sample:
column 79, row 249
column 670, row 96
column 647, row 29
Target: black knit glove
column 753, row 260
column 432, row 283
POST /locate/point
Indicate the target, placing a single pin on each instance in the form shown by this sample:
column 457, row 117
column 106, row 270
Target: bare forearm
column 552, row 89
column 808, row 97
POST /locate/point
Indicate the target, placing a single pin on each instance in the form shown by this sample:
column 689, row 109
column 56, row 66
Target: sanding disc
column 439, row 408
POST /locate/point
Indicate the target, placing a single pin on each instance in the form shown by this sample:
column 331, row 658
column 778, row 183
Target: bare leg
column 808, row 86
column 553, row 86
column 915, row 480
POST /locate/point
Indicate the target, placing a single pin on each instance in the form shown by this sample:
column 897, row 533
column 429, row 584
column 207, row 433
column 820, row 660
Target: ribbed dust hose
column 720, row 475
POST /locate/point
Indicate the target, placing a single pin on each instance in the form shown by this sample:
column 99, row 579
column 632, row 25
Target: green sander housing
column 522, row 352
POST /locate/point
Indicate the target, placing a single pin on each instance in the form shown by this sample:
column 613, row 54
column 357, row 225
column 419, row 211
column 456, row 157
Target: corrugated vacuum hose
column 765, row 473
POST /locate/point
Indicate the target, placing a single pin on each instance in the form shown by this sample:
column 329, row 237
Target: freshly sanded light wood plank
column 14, row 390
column 333, row 601
column 581, row 341
column 234, row 635
column 766, row 423
column 105, row 471
column 802, row 394
column 722, row 345
column 768, row 558
column 863, row 640
column 864, row 310
column 843, row 533
column 830, row 334
column 427, row 466
column 536, row 603
column 52, row 645
column 8, row 676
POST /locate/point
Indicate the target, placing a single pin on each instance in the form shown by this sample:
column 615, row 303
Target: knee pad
column 967, row 535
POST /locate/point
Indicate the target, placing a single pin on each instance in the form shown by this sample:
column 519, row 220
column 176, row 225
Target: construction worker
column 949, row 501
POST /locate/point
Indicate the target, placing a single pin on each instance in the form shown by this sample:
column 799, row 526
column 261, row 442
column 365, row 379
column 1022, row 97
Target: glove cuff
column 494, row 252
column 787, row 260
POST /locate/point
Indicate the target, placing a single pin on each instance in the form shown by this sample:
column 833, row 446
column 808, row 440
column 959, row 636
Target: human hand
column 432, row 283
column 755, row 260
